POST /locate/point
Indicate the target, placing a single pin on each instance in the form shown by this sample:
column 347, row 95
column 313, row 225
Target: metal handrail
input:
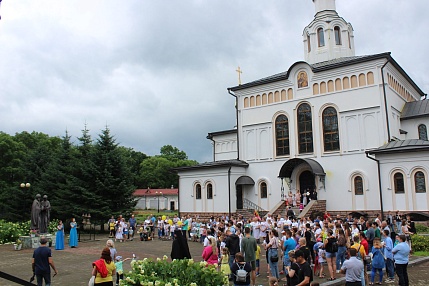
column 251, row 205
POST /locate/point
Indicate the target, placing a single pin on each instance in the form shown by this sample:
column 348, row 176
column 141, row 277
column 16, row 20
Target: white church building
column 353, row 128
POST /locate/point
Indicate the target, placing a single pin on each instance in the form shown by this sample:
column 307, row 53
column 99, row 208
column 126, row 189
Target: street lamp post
column 158, row 194
column 23, row 187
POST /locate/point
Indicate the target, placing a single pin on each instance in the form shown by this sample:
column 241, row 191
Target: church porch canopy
column 288, row 167
column 245, row 180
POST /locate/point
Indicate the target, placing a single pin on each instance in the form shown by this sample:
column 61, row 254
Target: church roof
column 218, row 133
column 155, row 192
column 215, row 164
column 328, row 65
column 401, row 146
column 415, row 109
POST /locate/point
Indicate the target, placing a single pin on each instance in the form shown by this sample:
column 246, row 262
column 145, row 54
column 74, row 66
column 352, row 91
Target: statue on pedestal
column 35, row 213
column 45, row 215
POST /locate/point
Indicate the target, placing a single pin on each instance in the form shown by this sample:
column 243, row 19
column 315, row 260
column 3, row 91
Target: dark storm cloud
column 156, row 72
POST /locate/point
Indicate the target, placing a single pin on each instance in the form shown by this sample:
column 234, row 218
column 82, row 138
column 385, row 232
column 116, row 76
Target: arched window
column 358, row 185
column 263, row 190
column 321, row 37
column 198, row 192
column 398, row 179
column 282, row 135
column 419, row 182
column 305, row 129
column 337, row 33
column 423, row 133
column 209, row 191
column 331, row 137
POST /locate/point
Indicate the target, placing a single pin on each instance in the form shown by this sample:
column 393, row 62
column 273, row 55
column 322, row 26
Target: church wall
column 411, row 126
column 225, row 146
column 408, row 164
column 339, row 192
column 360, row 121
column 218, row 177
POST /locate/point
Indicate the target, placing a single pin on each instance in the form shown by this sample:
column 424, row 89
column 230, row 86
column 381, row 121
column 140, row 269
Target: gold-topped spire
column 238, row 70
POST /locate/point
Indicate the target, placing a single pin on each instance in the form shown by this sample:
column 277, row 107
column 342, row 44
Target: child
column 119, row 268
column 125, row 231
column 140, row 232
column 203, row 232
column 224, row 259
column 257, row 254
column 119, row 234
column 321, row 259
column 112, row 228
column 166, row 229
column 172, row 228
column 131, row 232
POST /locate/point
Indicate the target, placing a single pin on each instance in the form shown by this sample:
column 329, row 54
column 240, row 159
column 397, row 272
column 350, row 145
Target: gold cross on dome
column 238, row 70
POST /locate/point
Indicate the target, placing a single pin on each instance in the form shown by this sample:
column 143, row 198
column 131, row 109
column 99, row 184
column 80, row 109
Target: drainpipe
column 214, row 147
column 379, row 183
column 385, row 101
column 229, row 191
column 236, row 119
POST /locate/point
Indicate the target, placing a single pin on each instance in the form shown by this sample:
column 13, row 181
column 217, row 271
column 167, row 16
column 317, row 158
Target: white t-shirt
column 255, row 229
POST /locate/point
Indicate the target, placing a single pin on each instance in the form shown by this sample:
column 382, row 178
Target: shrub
column 184, row 272
column 421, row 228
column 420, row 242
column 11, row 231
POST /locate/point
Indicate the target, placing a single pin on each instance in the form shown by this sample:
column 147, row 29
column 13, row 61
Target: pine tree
column 113, row 179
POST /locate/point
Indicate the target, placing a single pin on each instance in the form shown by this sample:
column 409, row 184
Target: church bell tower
column 328, row 36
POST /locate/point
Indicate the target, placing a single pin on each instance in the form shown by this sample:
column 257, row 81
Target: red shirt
column 365, row 245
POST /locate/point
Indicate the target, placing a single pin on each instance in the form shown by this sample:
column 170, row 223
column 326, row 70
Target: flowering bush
column 184, row 272
column 11, row 231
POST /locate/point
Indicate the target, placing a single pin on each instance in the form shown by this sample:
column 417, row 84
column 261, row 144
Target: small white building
column 157, row 199
column 353, row 128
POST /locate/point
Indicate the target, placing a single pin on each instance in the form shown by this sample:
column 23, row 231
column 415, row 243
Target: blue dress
column 73, row 234
column 59, row 239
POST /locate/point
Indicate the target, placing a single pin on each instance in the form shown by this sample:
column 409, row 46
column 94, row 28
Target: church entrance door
column 239, row 193
column 306, row 181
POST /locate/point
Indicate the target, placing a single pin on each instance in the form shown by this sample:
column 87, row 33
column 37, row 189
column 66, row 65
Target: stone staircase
column 313, row 208
column 281, row 210
column 248, row 213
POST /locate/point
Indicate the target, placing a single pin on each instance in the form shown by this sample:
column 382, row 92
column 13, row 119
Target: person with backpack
column 331, row 248
column 360, row 255
column 241, row 270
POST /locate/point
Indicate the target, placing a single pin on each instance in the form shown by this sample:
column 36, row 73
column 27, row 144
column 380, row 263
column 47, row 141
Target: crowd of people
column 295, row 249
column 301, row 248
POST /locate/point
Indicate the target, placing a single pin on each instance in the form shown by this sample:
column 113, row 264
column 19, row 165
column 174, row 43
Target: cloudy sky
column 156, row 72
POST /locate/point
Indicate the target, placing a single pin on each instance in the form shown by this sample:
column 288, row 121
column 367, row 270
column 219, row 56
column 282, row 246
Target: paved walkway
column 74, row 264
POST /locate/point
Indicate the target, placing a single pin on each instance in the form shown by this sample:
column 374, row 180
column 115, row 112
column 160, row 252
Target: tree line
column 87, row 176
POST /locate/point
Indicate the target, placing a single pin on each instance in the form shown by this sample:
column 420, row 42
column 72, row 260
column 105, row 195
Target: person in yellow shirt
column 257, row 254
column 359, row 248
column 104, row 269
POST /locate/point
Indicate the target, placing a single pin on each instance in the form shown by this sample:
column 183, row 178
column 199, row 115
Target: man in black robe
column 180, row 248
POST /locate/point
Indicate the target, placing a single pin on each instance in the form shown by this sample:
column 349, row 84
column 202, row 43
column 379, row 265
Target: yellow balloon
column 164, row 217
column 179, row 223
column 170, row 222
